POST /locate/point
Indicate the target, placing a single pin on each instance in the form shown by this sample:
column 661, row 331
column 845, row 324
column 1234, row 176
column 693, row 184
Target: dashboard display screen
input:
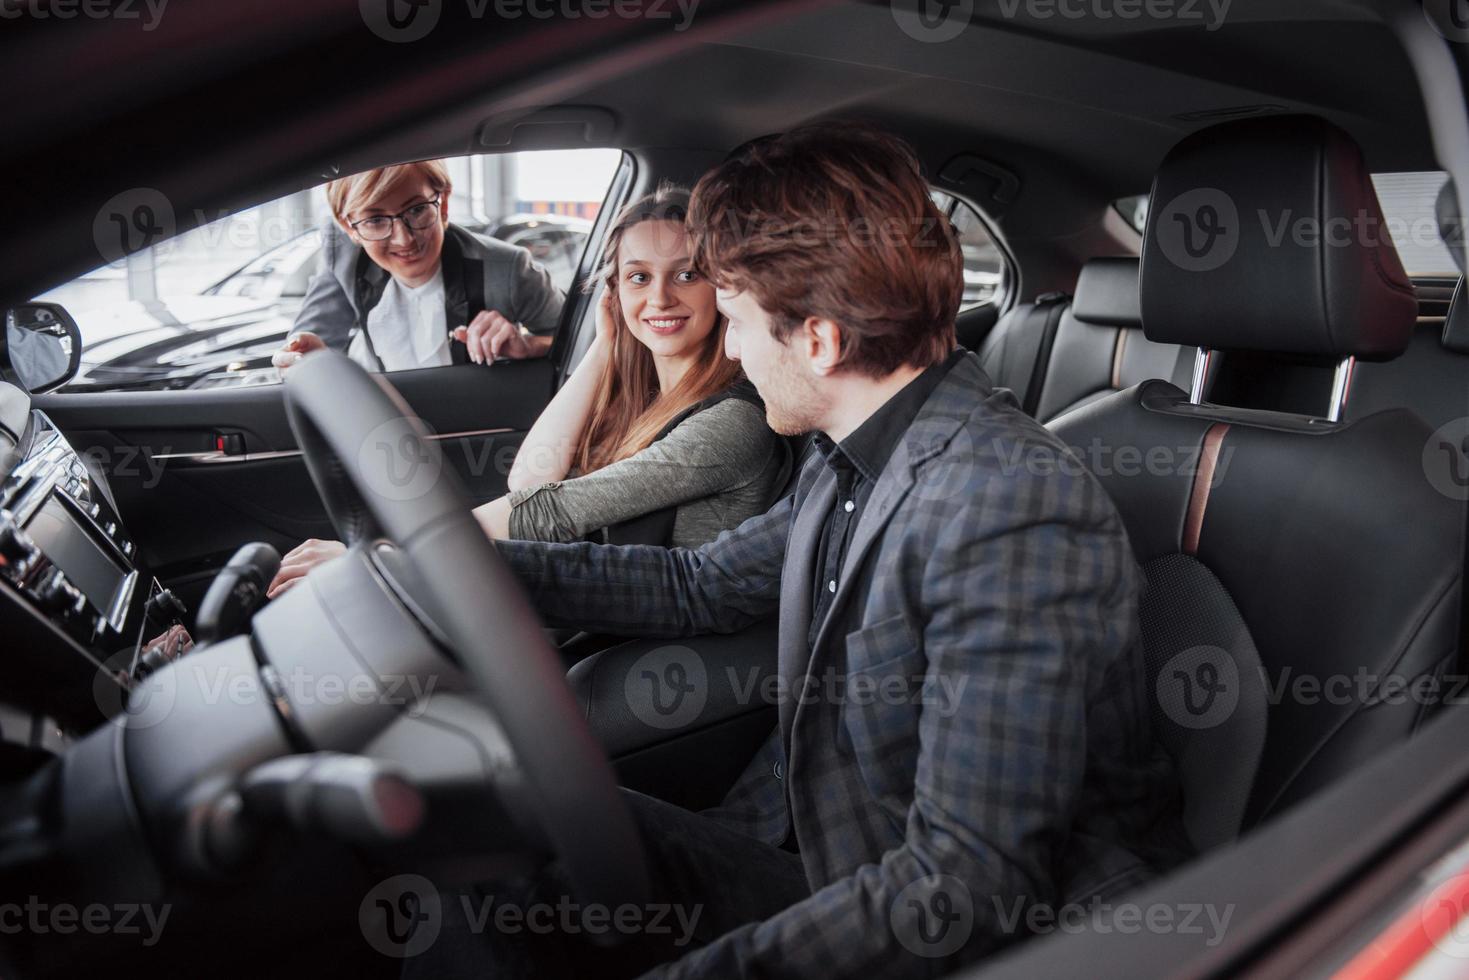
column 58, row 534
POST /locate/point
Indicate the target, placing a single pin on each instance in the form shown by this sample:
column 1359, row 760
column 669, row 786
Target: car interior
column 1308, row 406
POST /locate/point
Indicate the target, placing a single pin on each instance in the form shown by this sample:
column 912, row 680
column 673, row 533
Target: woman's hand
column 300, row 560
column 296, row 348
column 607, row 318
column 491, row 335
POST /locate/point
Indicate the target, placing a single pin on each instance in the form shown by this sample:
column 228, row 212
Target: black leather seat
column 1057, row 354
column 1303, row 574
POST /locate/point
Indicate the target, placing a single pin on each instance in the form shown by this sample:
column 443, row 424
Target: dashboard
column 74, row 599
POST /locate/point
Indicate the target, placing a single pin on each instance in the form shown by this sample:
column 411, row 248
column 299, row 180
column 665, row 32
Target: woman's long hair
column 629, row 411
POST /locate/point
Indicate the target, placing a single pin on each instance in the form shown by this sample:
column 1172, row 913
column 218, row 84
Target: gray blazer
column 481, row 271
column 968, row 736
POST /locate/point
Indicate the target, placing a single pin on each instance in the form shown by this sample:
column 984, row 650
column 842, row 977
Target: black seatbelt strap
column 1051, row 306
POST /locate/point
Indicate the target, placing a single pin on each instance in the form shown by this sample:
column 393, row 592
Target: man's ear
column 823, row 342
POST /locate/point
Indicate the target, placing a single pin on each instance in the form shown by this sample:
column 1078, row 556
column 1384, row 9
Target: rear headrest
column 1456, row 324
column 1266, row 235
column 1106, row 293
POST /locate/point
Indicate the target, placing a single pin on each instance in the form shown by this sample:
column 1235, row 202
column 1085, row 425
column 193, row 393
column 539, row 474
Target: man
column 401, row 288
column 963, row 734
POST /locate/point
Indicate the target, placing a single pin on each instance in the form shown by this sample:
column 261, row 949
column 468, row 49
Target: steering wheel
column 382, row 478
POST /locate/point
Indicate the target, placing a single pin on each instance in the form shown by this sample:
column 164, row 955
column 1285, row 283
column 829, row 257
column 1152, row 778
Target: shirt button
column 849, row 506
column 831, row 586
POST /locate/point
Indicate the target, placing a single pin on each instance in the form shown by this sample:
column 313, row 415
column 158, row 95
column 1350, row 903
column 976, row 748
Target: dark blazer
column 968, row 736
column 479, row 273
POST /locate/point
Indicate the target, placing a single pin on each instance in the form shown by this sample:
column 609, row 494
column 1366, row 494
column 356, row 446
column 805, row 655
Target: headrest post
column 1201, row 374
column 1341, row 386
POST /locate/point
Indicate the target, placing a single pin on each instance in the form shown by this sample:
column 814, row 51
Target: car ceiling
column 220, row 109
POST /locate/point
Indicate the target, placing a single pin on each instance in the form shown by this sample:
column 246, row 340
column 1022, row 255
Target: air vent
column 1232, row 112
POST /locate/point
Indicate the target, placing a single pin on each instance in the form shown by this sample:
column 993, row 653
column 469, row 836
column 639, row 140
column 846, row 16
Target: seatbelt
column 1052, row 305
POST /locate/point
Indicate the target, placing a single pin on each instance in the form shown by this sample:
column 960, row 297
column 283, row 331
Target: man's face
column 410, row 256
column 795, row 401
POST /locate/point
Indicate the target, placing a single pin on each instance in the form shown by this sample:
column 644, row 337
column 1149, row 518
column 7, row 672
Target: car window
column 986, row 270
column 207, row 308
column 1408, row 202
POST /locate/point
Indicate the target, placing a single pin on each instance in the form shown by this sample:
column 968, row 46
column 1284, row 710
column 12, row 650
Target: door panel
column 189, row 507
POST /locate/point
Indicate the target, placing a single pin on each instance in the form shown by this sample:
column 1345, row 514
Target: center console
column 73, row 596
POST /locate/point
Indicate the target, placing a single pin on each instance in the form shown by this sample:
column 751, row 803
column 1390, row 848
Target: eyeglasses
column 380, row 226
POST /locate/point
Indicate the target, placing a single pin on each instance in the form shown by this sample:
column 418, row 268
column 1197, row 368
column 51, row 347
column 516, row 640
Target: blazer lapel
column 796, row 579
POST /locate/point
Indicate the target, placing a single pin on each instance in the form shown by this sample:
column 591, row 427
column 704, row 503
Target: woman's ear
column 444, row 205
column 347, row 229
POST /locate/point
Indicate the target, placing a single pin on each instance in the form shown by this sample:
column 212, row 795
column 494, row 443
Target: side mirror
column 42, row 348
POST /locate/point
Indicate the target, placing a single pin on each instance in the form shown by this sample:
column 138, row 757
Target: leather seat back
column 1332, row 544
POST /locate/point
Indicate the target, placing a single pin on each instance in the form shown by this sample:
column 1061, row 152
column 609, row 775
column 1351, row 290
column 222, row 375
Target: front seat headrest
column 1266, row 235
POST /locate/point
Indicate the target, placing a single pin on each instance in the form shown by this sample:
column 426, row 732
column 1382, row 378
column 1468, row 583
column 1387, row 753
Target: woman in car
column 655, row 438
column 401, row 288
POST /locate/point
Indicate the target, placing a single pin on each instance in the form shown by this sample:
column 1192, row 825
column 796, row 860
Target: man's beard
column 793, row 403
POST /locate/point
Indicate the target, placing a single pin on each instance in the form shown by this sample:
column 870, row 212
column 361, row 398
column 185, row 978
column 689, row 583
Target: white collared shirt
column 408, row 327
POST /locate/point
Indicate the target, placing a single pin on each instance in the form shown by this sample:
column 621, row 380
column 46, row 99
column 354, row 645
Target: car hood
column 175, row 342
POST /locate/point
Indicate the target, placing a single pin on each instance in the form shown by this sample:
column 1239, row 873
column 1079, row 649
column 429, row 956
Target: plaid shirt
column 969, row 734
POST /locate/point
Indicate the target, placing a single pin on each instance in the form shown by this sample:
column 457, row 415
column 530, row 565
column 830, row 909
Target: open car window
column 207, row 308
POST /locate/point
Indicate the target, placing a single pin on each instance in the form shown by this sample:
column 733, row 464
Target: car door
column 198, row 473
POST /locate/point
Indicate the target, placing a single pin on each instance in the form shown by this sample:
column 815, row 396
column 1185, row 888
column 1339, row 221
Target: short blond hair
column 358, row 191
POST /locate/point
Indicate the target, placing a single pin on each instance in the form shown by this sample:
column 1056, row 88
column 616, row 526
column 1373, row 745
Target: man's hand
column 296, row 348
column 300, row 560
column 491, row 336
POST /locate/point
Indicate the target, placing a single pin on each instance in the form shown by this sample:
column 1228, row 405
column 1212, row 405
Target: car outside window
column 986, row 270
column 207, row 308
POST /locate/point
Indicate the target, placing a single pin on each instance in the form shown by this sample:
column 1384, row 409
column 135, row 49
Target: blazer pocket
column 881, row 702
